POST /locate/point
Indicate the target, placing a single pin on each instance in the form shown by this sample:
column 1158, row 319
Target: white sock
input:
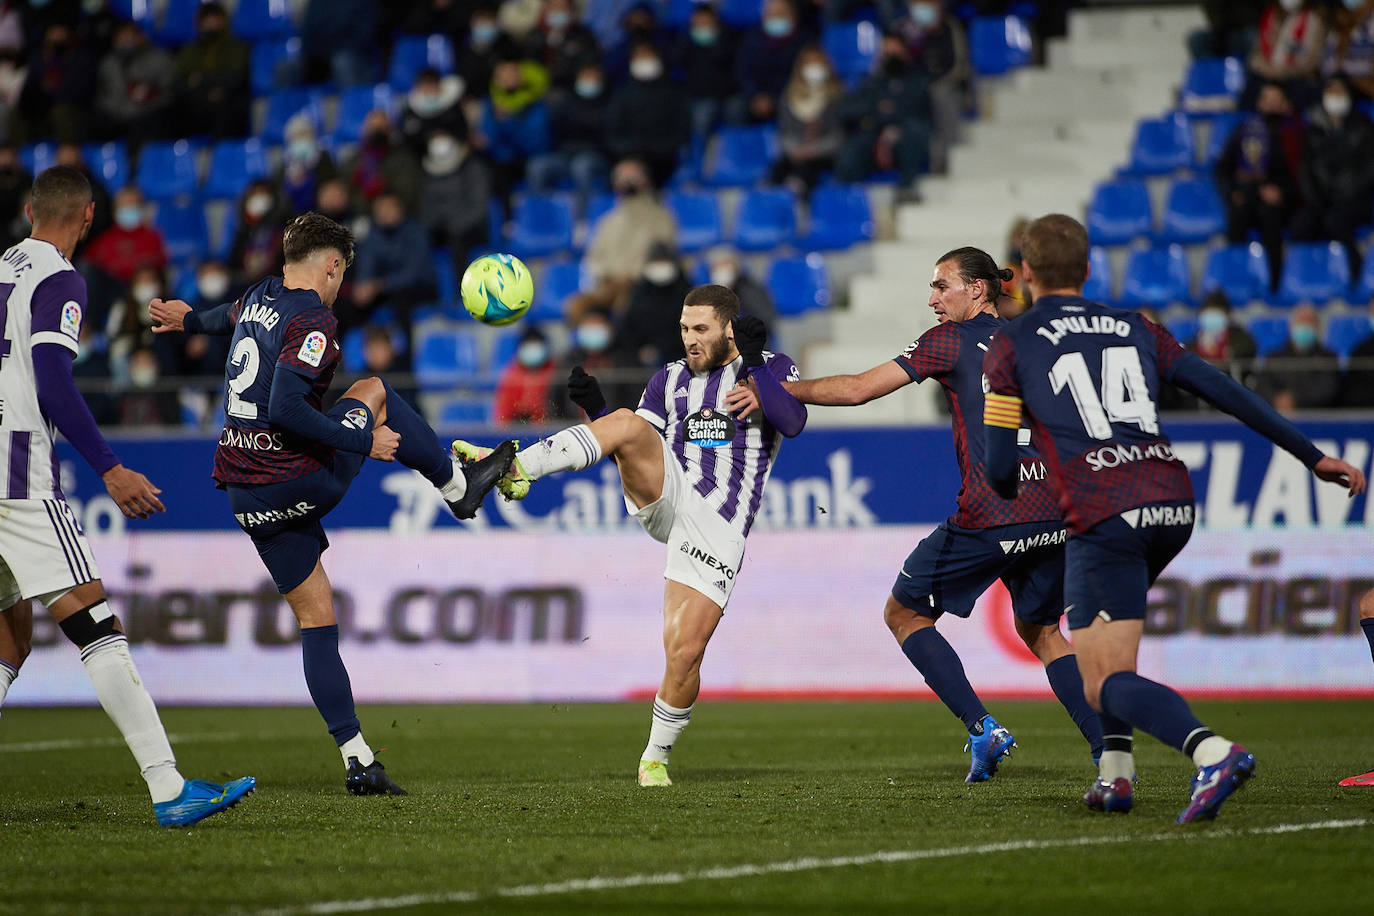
column 571, row 449
column 357, row 747
column 1211, row 751
column 457, row 485
column 668, row 723
column 7, row 675
column 1116, row 765
column 128, row 705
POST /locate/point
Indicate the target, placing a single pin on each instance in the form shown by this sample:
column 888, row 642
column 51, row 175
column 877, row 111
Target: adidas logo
column 720, row 586
column 681, row 392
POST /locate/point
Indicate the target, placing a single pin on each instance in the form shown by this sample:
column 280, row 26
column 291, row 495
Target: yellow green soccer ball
column 497, row 289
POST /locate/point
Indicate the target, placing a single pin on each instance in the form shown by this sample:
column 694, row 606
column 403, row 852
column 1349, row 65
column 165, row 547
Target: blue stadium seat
column 446, row 280
column 470, row 411
column 1364, row 284
column 698, row 219
column 503, row 350
column 556, row 282
column 144, row 12
column 445, row 357
column 1161, row 145
column 351, row 351
column 1099, row 286
column 258, row 20
column 284, row 104
column 743, row 156
column 598, row 205
column 38, row 156
column 998, row 44
column 1346, row 332
column 852, row 46
column 109, row 163
column 178, row 21
column 1212, row 85
column 840, row 217
column 1270, row 333
column 799, row 284
column 767, row 218
column 1223, row 126
column 412, row 53
column 1156, row 277
column 1184, row 328
column 1119, row 212
column 1314, row 272
column 183, row 229
column 742, row 14
column 233, row 163
column 1194, row 212
column 543, row 225
column 1240, row 271
column 223, row 240
column 274, row 64
column 166, row 168
column 354, row 104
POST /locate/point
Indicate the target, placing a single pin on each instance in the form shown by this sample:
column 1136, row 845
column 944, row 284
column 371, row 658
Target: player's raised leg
column 1367, row 625
column 16, row 639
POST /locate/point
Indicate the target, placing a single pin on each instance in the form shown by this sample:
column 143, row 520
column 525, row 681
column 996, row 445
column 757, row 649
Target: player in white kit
column 693, row 477
column 43, row 551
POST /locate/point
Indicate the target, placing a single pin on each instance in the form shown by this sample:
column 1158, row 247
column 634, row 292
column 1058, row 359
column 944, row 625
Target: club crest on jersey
column 709, row 428
column 356, row 418
column 71, row 320
column 312, row 348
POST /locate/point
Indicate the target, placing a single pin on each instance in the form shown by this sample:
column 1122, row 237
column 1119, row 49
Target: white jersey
column 42, row 301
column 727, row 461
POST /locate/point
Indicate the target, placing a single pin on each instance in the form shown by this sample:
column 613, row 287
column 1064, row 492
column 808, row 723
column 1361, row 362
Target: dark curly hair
column 311, row 232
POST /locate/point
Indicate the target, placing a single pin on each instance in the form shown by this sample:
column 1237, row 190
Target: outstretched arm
column 783, row 410
column 174, row 315
column 850, row 390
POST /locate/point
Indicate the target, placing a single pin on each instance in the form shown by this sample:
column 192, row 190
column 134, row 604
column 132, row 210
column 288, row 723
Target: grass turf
column 509, row 796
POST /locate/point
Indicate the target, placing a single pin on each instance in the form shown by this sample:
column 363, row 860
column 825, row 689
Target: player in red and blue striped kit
column 1087, row 377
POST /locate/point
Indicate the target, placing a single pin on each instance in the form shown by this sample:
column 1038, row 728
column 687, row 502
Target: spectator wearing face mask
column 255, row 251
column 455, row 194
column 433, row 104
column 561, row 44
column 200, row 355
column 939, row 47
column 333, row 201
column 649, row 331
column 144, row 402
column 1303, row 374
column 621, row 240
column 340, row 38
column 515, row 119
column 1288, row 51
column 888, row 121
column 594, row 349
column 393, row 267
column 809, row 129
column 129, row 324
column 726, row 269
column 1219, row 339
column 212, row 79
column 130, row 243
column 578, row 151
column 486, row 44
column 764, row 62
column 1337, row 177
column 381, row 164
column 304, row 165
column 649, row 117
column 136, row 88
column 705, row 56
column 638, row 25
column 523, row 391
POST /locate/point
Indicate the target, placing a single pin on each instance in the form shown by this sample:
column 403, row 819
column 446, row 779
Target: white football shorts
column 42, row 550
column 704, row 551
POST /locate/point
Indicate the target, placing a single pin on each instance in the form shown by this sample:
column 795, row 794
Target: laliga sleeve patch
column 709, row 428
column 71, row 320
column 312, row 348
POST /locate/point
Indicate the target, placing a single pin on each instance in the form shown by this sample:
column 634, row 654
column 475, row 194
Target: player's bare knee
column 372, row 393
column 1367, row 605
column 685, row 657
column 1092, row 692
column 902, row 621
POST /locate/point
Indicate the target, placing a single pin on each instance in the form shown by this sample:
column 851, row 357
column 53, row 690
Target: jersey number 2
column 245, row 358
column 1125, row 394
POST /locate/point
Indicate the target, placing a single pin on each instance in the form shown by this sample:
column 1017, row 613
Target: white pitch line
column 810, row 863
column 73, row 744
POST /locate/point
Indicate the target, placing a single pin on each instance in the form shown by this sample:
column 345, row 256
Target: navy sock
column 1367, row 624
column 939, row 664
column 1067, row 684
column 327, row 680
column 419, row 448
column 1150, row 707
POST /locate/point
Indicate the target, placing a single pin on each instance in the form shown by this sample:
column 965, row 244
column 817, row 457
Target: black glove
column 750, row 336
column 586, row 392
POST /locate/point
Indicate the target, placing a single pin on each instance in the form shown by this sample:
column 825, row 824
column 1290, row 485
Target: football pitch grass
column 778, row 808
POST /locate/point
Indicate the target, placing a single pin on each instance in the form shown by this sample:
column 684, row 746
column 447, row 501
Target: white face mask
column 1291, row 6
column 142, row 376
column 814, row 74
column 1336, row 104
column 443, row 147
column 646, row 68
column 724, row 274
column 143, row 293
column 213, row 286
column 660, row 273
column 258, row 205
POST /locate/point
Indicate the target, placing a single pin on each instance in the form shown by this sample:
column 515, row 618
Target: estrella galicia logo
column 709, row 428
column 356, row 418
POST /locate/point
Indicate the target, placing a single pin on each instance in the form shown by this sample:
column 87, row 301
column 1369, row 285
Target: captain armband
column 1002, row 410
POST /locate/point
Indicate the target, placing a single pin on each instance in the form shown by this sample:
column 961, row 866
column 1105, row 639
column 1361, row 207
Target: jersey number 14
column 1125, row 394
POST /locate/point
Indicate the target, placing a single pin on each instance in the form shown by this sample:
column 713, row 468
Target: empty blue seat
column 38, row 156
column 445, row 357
column 109, row 163
column 741, row 14
column 166, row 168
column 178, row 21
column 222, row 236
column 351, row 351
column 184, row 232
column 1346, row 332
column 1119, row 212
column 503, row 350
column 543, row 225
column 274, row 64
column 1314, row 272
column 698, row 219
column 354, row 104
column 1161, row 145
column 469, row 411
column 852, row 46
column 1212, row 84
column 1156, row 277
column 1099, row 287
column 840, row 217
column 1270, row 333
column 1223, row 126
column 1240, row 271
column 998, row 44
column 256, row 20
column 233, row 163
column 446, row 281
column 285, row 104
column 598, row 205
column 143, row 12
column 557, row 281
column 799, row 284
column 743, row 155
column 412, row 53
column 767, row 218
column 1193, row 213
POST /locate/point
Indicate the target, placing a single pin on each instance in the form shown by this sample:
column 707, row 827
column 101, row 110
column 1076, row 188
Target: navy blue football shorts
column 949, row 571
column 283, row 519
column 1110, row 567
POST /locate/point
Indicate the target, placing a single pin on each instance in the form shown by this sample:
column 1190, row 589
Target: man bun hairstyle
column 59, row 195
column 1056, row 248
column 976, row 264
column 311, row 232
column 721, row 298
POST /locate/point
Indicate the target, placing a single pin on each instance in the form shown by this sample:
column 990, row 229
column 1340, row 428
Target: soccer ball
column 497, row 289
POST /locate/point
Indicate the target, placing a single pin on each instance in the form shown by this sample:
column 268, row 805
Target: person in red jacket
column 130, row 244
column 522, row 395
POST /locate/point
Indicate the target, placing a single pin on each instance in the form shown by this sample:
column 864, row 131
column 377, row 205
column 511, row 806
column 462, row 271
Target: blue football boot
column 1214, row 784
column 987, row 749
column 200, row 799
column 1112, row 797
